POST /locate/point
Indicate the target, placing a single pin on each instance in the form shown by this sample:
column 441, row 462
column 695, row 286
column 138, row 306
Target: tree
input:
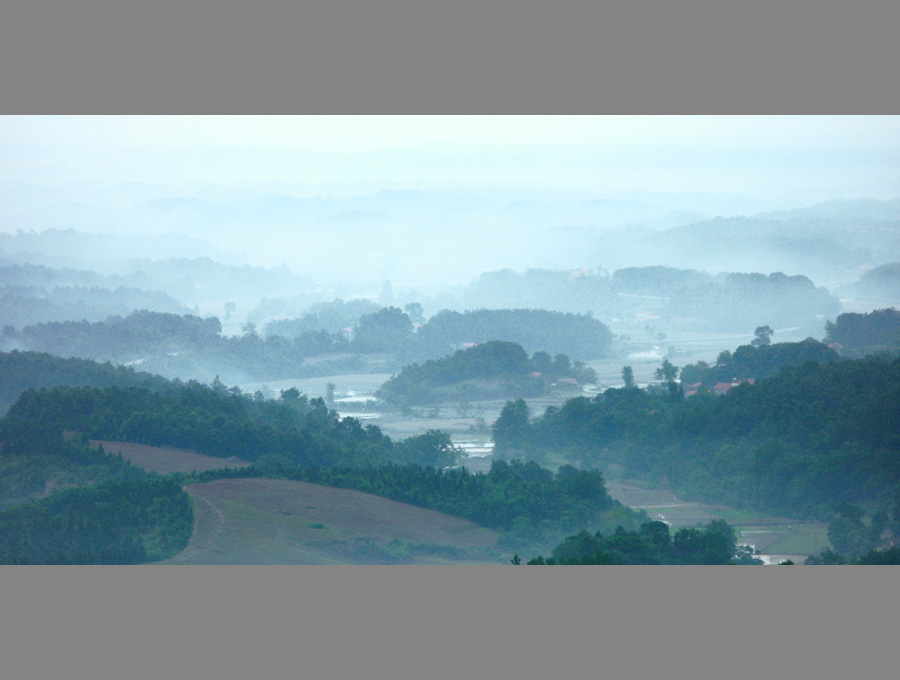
column 433, row 449
column 666, row 372
column 387, row 330
column 763, row 336
column 628, row 377
column 415, row 312
column 229, row 310
column 511, row 427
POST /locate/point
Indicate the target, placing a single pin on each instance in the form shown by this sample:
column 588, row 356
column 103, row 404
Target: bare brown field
column 277, row 521
column 165, row 460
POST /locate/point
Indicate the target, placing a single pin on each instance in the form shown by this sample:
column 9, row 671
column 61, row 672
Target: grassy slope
column 275, row 521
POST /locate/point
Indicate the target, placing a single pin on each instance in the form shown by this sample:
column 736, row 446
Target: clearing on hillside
column 165, row 460
column 278, row 521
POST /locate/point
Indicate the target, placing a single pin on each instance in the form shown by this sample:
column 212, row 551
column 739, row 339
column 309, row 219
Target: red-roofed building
column 722, row 388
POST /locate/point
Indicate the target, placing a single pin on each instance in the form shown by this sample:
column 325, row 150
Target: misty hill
column 861, row 334
column 20, row 306
column 492, row 370
column 577, row 335
column 332, row 317
column 176, row 346
column 562, row 291
column 686, row 299
column 882, row 282
column 55, row 258
column 103, row 252
column 832, row 241
column 20, row 371
column 735, row 302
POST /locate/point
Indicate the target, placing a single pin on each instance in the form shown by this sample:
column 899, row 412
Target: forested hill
column 576, row 335
column 796, row 443
column 188, row 346
column 492, row 370
column 132, row 516
column 20, row 371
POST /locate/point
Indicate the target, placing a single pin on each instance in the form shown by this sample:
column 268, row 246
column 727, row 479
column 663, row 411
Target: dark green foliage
column 886, row 556
column 795, row 443
column 859, row 334
column 495, row 369
column 757, row 361
column 513, row 495
column 511, row 428
column 210, row 420
column 33, row 462
column 114, row 522
column 713, row 544
column 432, row 449
column 387, row 330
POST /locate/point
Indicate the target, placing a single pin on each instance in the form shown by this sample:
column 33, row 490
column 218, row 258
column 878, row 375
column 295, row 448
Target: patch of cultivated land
column 165, row 460
column 776, row 538
column 277, row 521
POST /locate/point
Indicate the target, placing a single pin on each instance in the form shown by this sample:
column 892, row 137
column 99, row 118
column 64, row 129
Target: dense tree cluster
column 576, row 335
column 860, row 334
column 716, row 543
column 522, row 499
column 797, row 442
column 490, row 370
column 113, row 522
column 756, row 361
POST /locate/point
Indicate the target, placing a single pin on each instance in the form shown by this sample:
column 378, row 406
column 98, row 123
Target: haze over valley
column 410, row 316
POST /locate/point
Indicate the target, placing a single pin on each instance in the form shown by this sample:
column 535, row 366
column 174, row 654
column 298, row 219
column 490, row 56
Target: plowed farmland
column 276, row 521
column 165, row 460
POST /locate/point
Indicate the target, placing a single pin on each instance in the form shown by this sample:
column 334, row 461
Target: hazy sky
column 794, row 158
column 355, row 133
column 298, row 185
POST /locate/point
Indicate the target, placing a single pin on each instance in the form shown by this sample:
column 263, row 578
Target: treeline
column 490, row 370
column 795, row 443
column 210, row 420
column 525, row 501
column 756, row 361
column 406, row 334
column 187, row 345
column 716, row 543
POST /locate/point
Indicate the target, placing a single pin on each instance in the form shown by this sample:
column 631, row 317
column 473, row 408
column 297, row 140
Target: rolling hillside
column 276, row 521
